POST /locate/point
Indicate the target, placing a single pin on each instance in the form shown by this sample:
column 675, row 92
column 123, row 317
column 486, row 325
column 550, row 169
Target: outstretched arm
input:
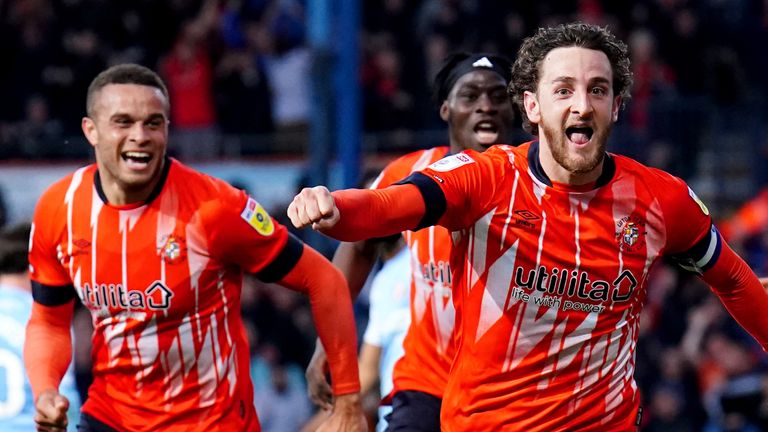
column 357, row 214
column 47, row 354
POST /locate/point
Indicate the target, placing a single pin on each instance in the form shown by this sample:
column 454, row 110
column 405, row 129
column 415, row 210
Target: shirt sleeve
column 45, row 256
column 243, row 233
column 51, row 283
column 460, row 188
column 693, row 242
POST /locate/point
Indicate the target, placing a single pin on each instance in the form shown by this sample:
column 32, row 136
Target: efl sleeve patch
column 451, row 162
column 257, row 217
column 693, row 195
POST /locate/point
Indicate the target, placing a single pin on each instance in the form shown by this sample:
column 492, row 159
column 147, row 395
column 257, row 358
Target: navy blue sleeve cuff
column 434, row 198
column 703, row 255
column 48, row 295
column 284, row 262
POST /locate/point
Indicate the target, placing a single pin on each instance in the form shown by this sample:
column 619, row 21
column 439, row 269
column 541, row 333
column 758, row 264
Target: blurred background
column 272, row 95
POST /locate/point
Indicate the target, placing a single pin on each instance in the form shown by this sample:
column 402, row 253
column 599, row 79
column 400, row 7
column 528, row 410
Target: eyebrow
column 570, row 80
column 474, row 86
column 151, row 117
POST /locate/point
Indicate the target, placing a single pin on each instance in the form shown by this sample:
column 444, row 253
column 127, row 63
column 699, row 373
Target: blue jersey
column 17, row 405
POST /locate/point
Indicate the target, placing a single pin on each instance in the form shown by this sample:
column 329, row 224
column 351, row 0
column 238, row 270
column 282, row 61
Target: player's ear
column 616, row 108
column 444, row 111
column 89, row 130
column 531, row 105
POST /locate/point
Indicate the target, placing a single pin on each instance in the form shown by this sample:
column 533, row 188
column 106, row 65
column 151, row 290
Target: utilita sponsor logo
column 574, row 283
column 156, row 296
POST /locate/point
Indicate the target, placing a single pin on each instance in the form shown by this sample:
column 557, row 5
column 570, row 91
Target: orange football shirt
column 162, row 281
column 549, row 282
column 428, row 344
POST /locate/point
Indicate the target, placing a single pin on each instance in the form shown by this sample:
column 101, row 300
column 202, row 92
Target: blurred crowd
column 239, row 72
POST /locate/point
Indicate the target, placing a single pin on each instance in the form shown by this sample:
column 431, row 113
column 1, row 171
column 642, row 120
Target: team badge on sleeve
column 693, row 195
column 257, row 217
column 451, row 162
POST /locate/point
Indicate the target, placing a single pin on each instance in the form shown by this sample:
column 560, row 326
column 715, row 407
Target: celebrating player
column 553, row 241
column 157, row 251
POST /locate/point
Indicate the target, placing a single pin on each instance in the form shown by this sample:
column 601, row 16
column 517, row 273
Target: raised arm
column 357, row 214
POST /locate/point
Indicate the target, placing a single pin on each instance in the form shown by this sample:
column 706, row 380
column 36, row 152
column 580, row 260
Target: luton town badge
column 629, row 232
column 172, row 249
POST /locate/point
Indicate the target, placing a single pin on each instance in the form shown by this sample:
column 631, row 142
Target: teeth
column 133, row 154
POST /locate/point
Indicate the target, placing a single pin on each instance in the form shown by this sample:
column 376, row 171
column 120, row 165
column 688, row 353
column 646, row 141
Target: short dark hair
column 14, row 247
column 445, row 78
column 127, row 73
column 527, row 67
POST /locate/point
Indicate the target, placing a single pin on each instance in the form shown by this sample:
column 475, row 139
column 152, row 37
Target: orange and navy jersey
column 428, row 344
column 162, row 281
column 548, row 284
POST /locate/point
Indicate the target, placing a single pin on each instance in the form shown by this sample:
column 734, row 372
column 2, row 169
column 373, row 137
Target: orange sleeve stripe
column 377, row 213
column 48, row 345
column 331, row 307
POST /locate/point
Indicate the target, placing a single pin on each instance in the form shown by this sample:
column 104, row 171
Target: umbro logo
column 527, row 215
column 526, row 218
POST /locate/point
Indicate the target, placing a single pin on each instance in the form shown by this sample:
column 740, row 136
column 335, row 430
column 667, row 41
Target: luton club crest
column 630, row 231
column 172, row 249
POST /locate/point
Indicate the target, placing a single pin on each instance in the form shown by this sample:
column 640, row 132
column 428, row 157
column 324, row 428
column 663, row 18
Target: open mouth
column 136, row 158
column 487, row 132
column 579, row 134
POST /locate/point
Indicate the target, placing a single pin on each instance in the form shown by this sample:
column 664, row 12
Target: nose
column 485, row 104
column 581, row 104
column 139, row 133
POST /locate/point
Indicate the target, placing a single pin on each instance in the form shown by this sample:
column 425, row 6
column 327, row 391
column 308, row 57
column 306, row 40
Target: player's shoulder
column 197, row 183
column 419, row 159
column 506, row 154
column 55, row 195
column 654, row 178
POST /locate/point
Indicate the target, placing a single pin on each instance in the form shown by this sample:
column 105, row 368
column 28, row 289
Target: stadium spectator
column 156, row 251
column 553, row 241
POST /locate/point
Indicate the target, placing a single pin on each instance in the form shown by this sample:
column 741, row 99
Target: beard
column 579, row 163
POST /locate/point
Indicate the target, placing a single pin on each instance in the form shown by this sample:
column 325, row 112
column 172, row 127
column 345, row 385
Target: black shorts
column 90, row 424
column 414, row 411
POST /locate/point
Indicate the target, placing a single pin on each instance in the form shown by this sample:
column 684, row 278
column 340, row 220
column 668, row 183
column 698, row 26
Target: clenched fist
column 314, row 206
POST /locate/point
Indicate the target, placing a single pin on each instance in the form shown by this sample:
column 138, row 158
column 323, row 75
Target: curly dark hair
column 526, row 69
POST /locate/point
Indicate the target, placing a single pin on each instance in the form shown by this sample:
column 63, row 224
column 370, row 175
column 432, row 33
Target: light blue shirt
column 388, row 319
column 17, row 405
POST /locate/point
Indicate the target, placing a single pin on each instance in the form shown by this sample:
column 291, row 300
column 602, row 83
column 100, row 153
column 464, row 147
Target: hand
column 764, row 281
column 317, row 385
column 51, row 412
column 347, row 415
column 314, row 206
